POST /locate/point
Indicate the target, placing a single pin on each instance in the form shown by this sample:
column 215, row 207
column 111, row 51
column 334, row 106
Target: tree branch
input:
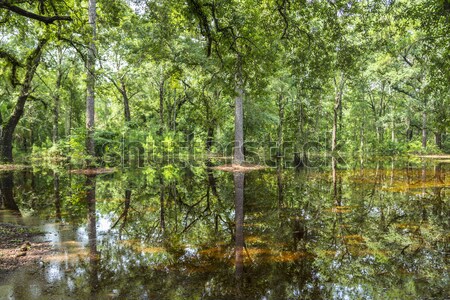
column 205, row 29
column 407, row 61
column 47, row 20
column 400, row 90
column 14, row 65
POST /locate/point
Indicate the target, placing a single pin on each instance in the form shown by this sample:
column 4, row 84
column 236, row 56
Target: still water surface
column 167, row 232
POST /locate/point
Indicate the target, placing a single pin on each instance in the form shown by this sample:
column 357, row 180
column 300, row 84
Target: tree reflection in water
column 239, row 230
column 7, row 200
column 94, row 255
column 380, row 231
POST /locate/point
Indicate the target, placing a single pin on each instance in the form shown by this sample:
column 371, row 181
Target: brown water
column 376, row 232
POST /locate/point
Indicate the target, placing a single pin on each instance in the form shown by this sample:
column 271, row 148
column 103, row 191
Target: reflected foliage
column 379, row 231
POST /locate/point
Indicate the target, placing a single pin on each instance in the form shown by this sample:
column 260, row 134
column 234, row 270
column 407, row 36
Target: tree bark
column 161, row 103
column 339, row 88
column 209, row 138
column 409, row 130
column 8, row 129
column 438, row 139
column 280, row 126
column 424, row 129
column 238, row 157
column 126, row 101
column 90, row 82
column 162, row 221
column 393, row 132
column 56, row 100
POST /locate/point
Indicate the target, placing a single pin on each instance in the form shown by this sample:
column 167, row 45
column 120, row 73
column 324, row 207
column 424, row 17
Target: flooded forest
column 224, row 149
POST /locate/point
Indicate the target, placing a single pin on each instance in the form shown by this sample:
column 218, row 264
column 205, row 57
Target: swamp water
column 169, row 232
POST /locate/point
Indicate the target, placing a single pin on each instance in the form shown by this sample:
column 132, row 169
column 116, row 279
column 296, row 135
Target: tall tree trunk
column 90, row 82
column 126, row 101
column 7, row 131
column 161, row 103
column 68, row 128
column 409, row 131
column 393, row 132
column 424, row 129
column 56, row 99
column 361, row 138
column 280, row 126
column 209, row 138
column 297, row 145
column 339, row 89
column 210, row 123
column 238, row 157
column 162, row 221
column 438, row 139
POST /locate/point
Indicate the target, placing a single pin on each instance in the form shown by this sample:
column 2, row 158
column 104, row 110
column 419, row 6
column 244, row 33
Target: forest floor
column 20, row 246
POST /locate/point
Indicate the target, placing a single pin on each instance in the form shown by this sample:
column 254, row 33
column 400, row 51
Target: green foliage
column 416, row 148
column 172, row 64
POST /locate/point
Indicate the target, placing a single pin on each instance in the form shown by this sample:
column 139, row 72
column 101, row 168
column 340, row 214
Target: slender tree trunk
column 162, row 221
column 339, row 89
column 70, row 115
column 209, row 138
column 409, row 131
column 438, row 139
column 361, row 138
column 56, row 100
column 280, row 187
column 424, row 129
column 90, row 82
column 209, row 126
column 238, row 157
column 126, row 208
column 8, row 129
column 173, row 114
column 333, row 174
column 280, row 126
column 161, row 103
column 212, row 181
column 126, row 101
column 300, row 155
column 393, row 132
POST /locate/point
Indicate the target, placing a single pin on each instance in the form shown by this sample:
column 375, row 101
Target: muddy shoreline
column 21, row 246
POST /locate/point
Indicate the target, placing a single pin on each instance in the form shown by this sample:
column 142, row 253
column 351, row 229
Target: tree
column 90, row 81
column 7, row 130
column 30, row 65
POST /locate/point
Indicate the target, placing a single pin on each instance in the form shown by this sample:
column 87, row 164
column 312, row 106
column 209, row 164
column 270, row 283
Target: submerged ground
column 375, row 230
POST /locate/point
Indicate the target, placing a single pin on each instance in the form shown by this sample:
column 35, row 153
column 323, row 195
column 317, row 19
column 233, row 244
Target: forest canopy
column 85, row 81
